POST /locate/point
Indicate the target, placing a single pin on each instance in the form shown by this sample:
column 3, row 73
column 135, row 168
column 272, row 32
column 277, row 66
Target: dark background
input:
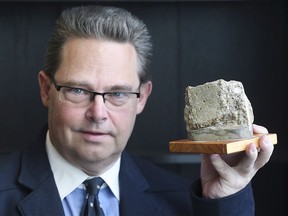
column 194, row 42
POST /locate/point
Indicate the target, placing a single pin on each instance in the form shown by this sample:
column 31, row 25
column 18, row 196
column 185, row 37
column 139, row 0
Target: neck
column 97, row 168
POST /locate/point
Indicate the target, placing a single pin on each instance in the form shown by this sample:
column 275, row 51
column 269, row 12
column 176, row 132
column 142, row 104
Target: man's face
column 92, row 137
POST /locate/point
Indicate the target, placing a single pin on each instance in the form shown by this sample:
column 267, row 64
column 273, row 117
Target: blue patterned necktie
column 91, row 205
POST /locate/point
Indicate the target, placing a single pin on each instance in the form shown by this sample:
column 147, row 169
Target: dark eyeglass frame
column 92, row 93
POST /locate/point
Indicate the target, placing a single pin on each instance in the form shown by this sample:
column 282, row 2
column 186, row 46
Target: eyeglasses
column 82, row 97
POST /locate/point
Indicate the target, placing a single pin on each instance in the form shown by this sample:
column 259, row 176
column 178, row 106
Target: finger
column 259, row 129
column 207, row 169
column 220, row 165
column 248, row 161
column 266, row 150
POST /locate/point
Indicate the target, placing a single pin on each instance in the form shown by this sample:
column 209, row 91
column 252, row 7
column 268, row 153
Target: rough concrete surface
column 218, row 110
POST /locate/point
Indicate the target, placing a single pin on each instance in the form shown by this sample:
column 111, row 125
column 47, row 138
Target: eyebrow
column 120, row 87
column 87, row 86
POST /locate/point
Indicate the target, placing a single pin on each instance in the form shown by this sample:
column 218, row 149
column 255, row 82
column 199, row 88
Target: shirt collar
column 69, row 177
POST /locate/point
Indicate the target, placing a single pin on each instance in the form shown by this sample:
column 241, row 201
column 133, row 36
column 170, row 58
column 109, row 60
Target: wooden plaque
column 217, row 147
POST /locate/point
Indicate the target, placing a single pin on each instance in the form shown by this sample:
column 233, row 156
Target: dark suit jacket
column 27, row 187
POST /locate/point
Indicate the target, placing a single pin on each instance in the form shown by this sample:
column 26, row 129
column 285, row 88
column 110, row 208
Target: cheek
column 70, row 116
column 127, row 121
column 61, row 114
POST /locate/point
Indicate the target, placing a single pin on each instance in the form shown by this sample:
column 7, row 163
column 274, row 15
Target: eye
column 117, row 95
column 77, row 91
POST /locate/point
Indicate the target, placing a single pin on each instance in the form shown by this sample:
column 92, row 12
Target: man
column 94, row 84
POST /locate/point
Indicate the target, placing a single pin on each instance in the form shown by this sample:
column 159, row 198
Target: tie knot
column 93, row 185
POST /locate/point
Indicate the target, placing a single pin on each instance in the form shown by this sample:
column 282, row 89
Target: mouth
column 94, row 136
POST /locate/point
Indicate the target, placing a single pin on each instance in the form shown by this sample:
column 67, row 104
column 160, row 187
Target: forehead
column 99, row 62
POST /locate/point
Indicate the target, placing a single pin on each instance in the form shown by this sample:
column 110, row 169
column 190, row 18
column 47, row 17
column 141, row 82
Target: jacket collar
column 36, row 175
column 135, row 195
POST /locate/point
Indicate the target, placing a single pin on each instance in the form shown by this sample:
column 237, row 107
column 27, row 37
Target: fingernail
column 266, row 140
column 253, row 148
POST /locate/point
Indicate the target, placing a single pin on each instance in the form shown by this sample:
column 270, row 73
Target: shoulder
column 161, row 189
column 161, row 178
column 10, row 165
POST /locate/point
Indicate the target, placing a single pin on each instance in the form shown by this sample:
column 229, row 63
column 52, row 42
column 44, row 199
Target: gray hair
column 104, row 23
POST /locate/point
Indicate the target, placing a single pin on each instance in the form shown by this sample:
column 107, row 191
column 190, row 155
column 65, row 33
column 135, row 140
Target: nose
column 97, row 110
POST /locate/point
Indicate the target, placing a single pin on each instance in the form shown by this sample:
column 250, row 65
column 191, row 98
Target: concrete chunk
column 218, row 110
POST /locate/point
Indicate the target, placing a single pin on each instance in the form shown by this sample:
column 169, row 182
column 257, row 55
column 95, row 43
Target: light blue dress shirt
column 67, row 178
column 73, row 203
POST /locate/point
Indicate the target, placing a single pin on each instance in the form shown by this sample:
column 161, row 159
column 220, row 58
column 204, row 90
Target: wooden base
column 216, row 147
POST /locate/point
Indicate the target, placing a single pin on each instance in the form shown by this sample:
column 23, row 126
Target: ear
column 145, row 91
column 45, row 86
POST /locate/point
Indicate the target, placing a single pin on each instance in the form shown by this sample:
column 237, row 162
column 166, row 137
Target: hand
column 223, row 175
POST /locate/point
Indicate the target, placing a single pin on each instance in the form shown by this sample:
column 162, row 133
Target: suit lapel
column 36, row 175
column 42, row 201
column 135, row 198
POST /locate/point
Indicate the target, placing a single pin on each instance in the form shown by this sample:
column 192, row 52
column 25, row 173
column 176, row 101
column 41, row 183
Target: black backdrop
column 194, row 42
